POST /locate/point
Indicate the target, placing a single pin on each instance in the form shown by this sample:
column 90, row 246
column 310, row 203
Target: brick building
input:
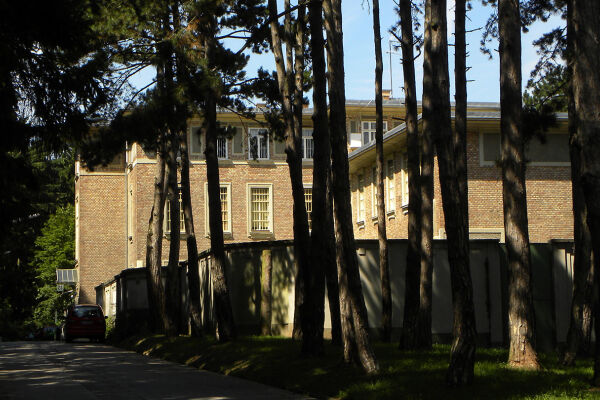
column 113, row 203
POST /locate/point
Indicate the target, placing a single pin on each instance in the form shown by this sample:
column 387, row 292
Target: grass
column 276, row 361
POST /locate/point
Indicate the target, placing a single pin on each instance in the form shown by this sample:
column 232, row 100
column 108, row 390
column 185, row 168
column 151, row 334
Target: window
column 225, row 195
column 225, row 208
column 308, row 204
column 404, row 166
column 260, row 206
column 368, row 131
column 489, row 148
column 196, row 140
column 374, row 192
column 258, row 144
column 168, row 215
column 391, row 191
column 279, row 146
column 221, row 147
column 361, row 199
column 554, row 150
column 308, row 147
column 238, row 141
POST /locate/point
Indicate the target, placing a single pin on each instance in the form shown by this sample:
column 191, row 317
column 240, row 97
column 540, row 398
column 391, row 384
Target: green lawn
column 276, row 361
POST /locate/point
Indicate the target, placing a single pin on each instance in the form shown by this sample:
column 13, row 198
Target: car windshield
column 81, row 312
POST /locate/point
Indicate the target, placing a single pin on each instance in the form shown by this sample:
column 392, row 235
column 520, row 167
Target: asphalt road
column 82, row 370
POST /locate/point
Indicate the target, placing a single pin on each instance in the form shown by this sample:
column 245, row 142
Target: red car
column 85, row 321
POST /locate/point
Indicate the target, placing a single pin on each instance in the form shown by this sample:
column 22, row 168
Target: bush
column 111, row 330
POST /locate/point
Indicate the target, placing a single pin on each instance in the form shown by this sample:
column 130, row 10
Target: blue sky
column 359, row 54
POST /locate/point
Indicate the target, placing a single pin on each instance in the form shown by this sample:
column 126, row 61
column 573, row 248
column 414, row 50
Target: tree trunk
column 266, row 293
column 156, row 291
column 301, row 220
column 384, row 270
column 293, row 132
column 172, row 281
column 584, row 28
column 411, row 336
column 351, row 297
column 321, row 249
column 427, row 165
column 331, row 272
column 520, row 303
column 460, row 370
column 579, row 334
column 460, row 110
column 165, row 52
column 223, row 311
column 195, row 308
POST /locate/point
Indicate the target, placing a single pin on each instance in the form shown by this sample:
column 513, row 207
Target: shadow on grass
column 277, row 362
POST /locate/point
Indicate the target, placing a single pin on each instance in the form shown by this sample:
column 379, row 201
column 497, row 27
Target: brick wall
column 102, row 223
column 549, row 205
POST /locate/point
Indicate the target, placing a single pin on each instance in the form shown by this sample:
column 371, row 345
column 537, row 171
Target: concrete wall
column 551, row 279
column 485, row 274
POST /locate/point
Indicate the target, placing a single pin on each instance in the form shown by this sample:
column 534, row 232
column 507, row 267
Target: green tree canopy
column 54, row 249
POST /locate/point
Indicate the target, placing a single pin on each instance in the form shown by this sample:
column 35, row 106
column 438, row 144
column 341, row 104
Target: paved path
column 82, row 371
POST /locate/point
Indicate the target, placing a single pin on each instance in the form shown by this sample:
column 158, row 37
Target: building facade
column 113, row 203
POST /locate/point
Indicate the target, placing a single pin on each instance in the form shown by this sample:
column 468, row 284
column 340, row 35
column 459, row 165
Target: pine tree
column 412, row 336
column 520, row 315
column 355, row 325
column 384, row 270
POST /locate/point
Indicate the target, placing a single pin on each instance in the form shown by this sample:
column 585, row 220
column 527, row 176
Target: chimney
column 386, row 94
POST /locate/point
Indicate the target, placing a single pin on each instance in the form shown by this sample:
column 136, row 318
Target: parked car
column 85, row 321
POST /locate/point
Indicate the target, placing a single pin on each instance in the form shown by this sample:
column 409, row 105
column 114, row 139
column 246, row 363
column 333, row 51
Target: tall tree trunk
column 411, row 336
column 154, row 237
column 294, row 160
column 331, row 272
column 462, row 358
column 579, row 334
column 195, row 308
column 302, row 219
column 584, row 27
column 384, row 270
column 460, row 110
column 321, row 253
column 351, row 297
column 266, row 298
column 172, row 189
column 223, row 311
column 288, row 36
column 520, row 302
column 172, row 281
column 193, row 271
column 427, row 165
